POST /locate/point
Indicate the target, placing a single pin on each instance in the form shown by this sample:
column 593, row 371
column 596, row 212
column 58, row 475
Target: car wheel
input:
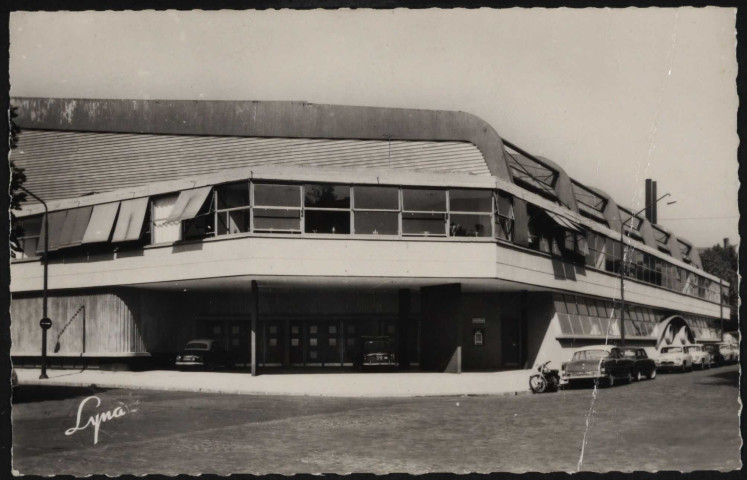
column 652, row 375
column 610, row 380
column 639, row 376
column 684, row 368
column 629, row 379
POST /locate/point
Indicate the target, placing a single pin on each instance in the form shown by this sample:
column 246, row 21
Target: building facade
column 292, row 231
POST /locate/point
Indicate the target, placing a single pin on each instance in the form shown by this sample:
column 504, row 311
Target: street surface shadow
column 41, row 393
column 729, row 378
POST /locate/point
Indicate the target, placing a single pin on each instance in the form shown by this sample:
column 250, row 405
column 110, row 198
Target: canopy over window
column 188, row 204
column 130, row 221
column 75, row 226
column 565, row 223
column 101, row 223
column 56, row 221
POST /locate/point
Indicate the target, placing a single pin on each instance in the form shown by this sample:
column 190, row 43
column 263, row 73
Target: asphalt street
column 678, row 422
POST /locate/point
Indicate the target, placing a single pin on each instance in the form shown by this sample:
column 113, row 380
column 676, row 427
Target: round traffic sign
column 45, row 323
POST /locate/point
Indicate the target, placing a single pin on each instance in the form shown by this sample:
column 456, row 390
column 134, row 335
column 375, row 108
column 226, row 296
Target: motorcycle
column 547, row 380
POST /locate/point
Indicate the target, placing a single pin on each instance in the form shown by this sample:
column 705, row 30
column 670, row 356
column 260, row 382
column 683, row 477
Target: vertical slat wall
column 111, row 326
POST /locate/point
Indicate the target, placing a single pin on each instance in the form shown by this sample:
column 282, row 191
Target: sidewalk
column 409, row 384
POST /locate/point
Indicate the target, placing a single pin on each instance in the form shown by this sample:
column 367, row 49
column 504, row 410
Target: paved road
column 677, row 422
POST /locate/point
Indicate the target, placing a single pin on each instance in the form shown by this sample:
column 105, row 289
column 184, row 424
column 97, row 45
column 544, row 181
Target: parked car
column 643, row 366
column 377, row 352
column 674, row 358
column 204, row 353
column 701, row 358
column 602, row 364
column 717, row 359
column 729, row 352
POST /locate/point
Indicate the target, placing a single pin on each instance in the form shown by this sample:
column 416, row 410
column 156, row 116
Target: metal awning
column 130, row 221
column 56, row 222
column 564, row 222
column 188, row 204
column 75, row 226
column 101, row 223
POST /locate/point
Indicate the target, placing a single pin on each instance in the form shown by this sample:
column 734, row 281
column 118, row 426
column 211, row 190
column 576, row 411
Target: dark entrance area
column 233, row 333
column 323, row 342
column 510, row 343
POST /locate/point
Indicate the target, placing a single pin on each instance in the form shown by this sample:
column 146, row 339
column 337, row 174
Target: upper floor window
column 163, row 230
column 504, row 216
column 28, row 241
column 232, row 208
column 423, row 212
column 327, row 208
column 376, row 210
column 277, row 208
column 470, row 213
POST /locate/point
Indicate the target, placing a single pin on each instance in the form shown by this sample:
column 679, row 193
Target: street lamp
column 622, row 267
column 45, row 322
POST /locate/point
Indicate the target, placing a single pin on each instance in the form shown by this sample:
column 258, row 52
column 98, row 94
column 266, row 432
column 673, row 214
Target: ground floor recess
column 308, row 342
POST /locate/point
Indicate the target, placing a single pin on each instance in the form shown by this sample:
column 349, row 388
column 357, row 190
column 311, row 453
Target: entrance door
column 273, row 354
column 510, row 338
column 297, row 343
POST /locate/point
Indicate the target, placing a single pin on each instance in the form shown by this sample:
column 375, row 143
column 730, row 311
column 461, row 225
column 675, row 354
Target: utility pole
column 45, row 323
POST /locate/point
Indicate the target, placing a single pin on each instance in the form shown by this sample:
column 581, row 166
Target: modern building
column 291, row 231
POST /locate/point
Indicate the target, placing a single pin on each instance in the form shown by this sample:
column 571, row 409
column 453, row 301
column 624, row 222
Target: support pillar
column 403, row 327
column 255, row 315
column 441, row 333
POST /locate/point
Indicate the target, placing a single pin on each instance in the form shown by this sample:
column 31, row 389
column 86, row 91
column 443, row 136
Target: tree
column 17, row 179
column 722, row 262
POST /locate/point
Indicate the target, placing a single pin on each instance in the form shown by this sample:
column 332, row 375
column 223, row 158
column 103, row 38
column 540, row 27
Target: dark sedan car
column 377, row 352
column 603, row 364
column 204, row 353
column 643, row 366
column 717, row 359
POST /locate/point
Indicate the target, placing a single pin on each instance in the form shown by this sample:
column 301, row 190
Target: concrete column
column 403, row 327
column 441, row 331
column 255, row 315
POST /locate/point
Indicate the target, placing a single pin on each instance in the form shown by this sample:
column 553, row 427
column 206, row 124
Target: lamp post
column 622, row 267
column 45, row 322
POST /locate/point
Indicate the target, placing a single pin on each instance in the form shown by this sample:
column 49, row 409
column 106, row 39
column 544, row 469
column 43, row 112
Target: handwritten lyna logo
column 97, row 419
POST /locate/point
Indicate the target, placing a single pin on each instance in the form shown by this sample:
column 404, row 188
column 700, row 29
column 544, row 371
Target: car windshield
column 590, row 355
column 376, row 346
column 628, row 353
column 671, row 350
column 693, row 349
column 197, row 346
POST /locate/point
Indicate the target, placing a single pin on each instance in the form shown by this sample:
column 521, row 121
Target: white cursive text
column 97, row 419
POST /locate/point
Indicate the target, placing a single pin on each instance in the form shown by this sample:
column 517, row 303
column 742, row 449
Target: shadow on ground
column 730, row 378
column 40, row 393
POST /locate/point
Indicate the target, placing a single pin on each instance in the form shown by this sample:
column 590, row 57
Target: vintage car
column 377, row 352
column 717, row 359
column 204, row 353
column 701, row 358
column 601, row 364
column 643, row 366
column 729, row 352
column 674, row 358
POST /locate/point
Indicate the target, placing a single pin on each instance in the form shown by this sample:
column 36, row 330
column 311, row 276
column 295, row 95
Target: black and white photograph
column 374, row 241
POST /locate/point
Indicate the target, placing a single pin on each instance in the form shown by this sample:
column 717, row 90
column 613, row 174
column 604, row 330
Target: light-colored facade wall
column 483, row 264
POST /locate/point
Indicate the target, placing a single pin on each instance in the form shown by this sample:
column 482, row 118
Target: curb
column 228, row 391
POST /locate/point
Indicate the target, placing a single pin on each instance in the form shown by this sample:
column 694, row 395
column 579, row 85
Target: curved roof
column 289, row 120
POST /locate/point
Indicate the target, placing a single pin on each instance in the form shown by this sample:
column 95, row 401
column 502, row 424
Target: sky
column 614, row 96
